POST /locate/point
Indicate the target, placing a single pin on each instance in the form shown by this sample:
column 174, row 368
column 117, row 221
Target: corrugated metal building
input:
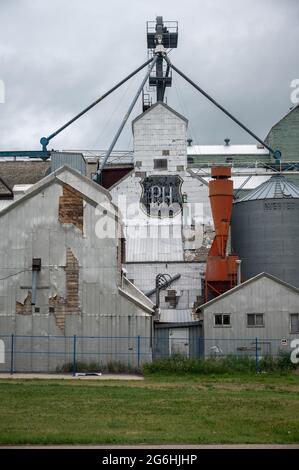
column 79, row 289
column 264, row 307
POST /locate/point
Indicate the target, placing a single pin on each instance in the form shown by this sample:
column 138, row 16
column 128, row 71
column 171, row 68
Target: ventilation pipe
column 239, row 271
column 36, row 267
column 221, row 270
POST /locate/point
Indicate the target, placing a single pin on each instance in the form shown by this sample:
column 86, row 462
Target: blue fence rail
column 25, row 353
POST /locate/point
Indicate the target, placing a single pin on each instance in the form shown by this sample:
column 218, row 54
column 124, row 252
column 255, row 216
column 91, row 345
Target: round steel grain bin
column 265, row 230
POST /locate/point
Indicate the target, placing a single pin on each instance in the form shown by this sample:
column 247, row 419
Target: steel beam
column 125, row 118
column 45, row 140
column 276, row 153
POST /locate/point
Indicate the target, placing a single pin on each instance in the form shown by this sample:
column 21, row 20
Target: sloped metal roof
column 23, row 172
column 277, row 187
column 176, row 316
column 226, row 150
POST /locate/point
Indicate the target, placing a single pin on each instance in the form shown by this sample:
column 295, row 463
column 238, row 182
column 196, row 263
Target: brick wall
column 71, row 207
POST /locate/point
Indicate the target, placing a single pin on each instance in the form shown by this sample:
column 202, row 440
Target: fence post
column 12, row 355
column 256, row 356
column 74, row 355
column 138, row 351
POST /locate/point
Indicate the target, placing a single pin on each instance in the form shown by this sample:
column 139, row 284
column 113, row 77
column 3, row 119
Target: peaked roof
column 40, row 185
column 159, row 103
column 277, row 187
column 296, row 106
column 24, row 172
column 246, row 283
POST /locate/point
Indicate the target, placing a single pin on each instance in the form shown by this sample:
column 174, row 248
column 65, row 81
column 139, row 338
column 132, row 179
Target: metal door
column 179, row 341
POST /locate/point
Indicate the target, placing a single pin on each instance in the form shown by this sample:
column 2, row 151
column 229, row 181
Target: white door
column 179, row 341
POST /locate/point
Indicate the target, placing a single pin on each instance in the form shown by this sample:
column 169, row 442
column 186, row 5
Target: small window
column 180, row 168
column 165, row 153
column 36, row 309
column 294, row 322
column 138, row 164
column 222, row 319
column 255, row 319
column 160, row 164
column 51, row 309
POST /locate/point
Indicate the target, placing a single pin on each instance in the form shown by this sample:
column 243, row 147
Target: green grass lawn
column 160, row 409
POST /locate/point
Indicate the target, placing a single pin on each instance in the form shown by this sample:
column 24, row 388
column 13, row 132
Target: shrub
column 85, row 367
column 219, row 365
column 280, row 363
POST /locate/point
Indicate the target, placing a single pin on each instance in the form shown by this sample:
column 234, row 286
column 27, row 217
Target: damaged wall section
column 26, row 307
column 69, row 305
column 71, row 207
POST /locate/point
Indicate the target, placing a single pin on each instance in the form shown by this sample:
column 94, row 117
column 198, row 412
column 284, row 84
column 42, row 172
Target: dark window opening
column 123, row 250
column 222, row 319
column 255, row 319
column 160, row 164
column 51, row 309
column 294, row 322
column 165, row 153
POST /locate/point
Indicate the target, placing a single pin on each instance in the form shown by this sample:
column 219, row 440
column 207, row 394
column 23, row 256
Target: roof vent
column 189, row 141
column 227, row 141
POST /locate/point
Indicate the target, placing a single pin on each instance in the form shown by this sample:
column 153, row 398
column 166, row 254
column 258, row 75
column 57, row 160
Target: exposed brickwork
column 26, row 307
column 70, row 304
column 71, row 207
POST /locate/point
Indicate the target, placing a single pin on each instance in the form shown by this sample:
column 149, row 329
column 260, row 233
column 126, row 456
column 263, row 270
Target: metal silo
column 265, row 230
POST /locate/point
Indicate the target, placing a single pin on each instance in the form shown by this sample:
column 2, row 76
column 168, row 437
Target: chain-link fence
column 23, row 353
column 73, row 354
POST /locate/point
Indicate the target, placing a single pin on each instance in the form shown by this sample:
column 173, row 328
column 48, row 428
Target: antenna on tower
column 162, row 34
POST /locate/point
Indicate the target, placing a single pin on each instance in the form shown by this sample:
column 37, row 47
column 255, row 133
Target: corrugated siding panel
column 74, row 160
column 154, row 249
column 161, row 343
column 176, row 316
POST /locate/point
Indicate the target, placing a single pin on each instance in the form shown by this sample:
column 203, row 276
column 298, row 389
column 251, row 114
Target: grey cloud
column 57, row 56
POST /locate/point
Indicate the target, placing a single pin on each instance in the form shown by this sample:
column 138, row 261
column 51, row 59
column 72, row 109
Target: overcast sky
column 57, row 56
